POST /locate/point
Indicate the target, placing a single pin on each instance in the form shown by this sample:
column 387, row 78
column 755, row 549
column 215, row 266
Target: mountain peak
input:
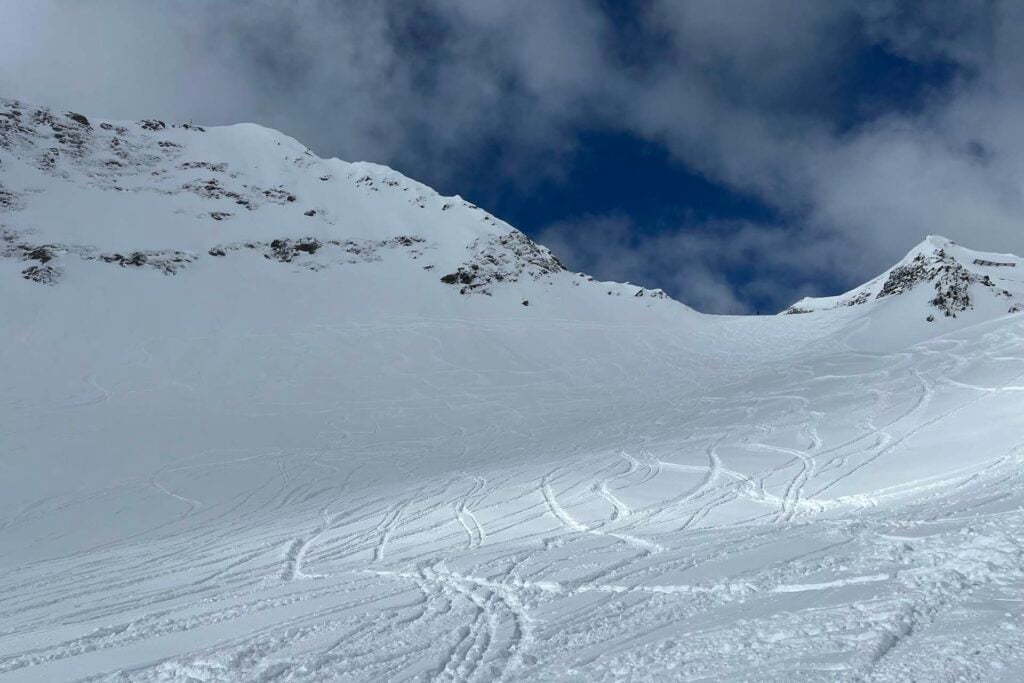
column 936, row 242
column 937, row 278
column 80, row 194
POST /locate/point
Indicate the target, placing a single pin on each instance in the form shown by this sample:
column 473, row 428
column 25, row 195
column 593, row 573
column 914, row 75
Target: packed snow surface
column 268, row 417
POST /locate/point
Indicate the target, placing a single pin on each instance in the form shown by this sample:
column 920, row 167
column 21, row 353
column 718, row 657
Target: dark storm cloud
column 761, row 97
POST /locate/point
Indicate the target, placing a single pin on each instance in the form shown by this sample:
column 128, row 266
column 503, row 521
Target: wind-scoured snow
column 282, row 446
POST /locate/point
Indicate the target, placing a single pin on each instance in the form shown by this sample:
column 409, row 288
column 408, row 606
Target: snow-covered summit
column 173, row 198
column 937, row 279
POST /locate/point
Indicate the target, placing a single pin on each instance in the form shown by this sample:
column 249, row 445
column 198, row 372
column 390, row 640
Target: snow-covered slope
column 240, row 442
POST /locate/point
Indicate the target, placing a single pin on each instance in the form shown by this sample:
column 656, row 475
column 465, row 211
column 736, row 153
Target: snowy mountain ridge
column 168, row 196
column 221, row 192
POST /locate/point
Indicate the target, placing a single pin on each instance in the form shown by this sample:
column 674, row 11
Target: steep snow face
column 953, row 281
column 78, row 194
column 239, row 442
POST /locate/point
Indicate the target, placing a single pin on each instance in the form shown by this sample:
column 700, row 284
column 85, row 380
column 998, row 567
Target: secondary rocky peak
column 955, row 279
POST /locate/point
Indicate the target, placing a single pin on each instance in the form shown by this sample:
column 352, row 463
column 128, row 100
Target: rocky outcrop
column 956, row 276
column 951, row 280
column 502, row 259
column 46, row 257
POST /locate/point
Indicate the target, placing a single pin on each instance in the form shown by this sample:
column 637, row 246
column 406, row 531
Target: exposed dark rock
column 13, row 125
column 460, row 276
column 43, row 274
column 69, row 132
column 308, row 245
column 79, row 119
column 367, row 182
column 9, row 200
column 220, row 215
column 212, row 189
column 856, row 300
column 281, row 250
column 13, row 245
column 43, row 117
column 903, row 278
column 285, row 250
column 152, row 124
column 136, row 258
column 42, row 253
column 168, row 262
column 288, row 251
column 216, row 168
column 207, row 189
column 48, row 159
column 951, row 281
column 279, row 195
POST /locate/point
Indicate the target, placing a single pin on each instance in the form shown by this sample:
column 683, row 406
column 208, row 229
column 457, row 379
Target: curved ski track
column 758, row 534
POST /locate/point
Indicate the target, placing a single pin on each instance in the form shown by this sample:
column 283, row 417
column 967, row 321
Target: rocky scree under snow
column 502, row 259
column 301, row 249
column 12, row 245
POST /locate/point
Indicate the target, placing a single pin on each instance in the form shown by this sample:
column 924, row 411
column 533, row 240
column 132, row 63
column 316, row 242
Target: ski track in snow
column 364, row 588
